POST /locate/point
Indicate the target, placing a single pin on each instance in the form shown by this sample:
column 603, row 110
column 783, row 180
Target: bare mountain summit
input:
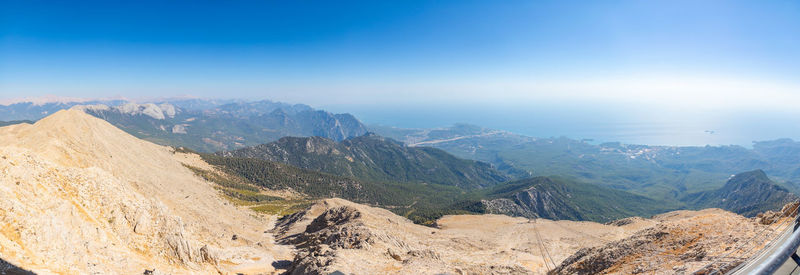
column 79, row 196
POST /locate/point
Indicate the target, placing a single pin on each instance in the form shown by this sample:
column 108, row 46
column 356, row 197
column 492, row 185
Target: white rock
column 179, row 129
column 169, row 109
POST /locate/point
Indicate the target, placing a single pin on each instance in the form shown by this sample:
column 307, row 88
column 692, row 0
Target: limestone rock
column 79, row 196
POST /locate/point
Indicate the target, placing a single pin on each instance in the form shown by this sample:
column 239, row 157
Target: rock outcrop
column 681, row 242
column 156, row 111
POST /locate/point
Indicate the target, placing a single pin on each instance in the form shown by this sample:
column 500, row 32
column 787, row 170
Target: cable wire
column 785, row 222
column 543, row 249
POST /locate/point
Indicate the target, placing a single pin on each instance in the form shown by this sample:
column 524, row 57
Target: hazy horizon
column 604, row 123
column 656, row 71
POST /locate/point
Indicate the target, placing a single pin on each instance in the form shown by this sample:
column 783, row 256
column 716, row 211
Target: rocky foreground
column 337, row 235
column 79, row 196
column 683, row 242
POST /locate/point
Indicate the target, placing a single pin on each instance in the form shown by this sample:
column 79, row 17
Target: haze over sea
column 626, row 124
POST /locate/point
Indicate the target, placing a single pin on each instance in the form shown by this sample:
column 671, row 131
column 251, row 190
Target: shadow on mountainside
column 7, row 268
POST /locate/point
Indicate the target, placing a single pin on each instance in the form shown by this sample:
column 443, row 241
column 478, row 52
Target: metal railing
column 777, row 259
column 768, row 259
column 775, row 254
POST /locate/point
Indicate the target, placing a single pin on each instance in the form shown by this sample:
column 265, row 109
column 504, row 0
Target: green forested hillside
column 661, row 172
column 374, row 158
column 422, row 203
column 543, row 197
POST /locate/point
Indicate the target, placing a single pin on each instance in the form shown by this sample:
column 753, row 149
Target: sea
column 595, row 123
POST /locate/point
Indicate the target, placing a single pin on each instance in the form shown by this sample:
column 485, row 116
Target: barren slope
column 78, row 195
column 337, row 235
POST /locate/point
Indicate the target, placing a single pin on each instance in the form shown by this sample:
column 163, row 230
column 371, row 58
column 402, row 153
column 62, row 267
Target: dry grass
column 282, row 207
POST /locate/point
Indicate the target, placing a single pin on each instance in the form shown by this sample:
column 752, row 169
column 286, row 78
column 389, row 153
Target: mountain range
column 205, row 125
column 34, row 111
column 455, row 161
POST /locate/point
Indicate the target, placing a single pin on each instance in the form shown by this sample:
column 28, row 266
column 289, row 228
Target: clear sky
column 690, row 54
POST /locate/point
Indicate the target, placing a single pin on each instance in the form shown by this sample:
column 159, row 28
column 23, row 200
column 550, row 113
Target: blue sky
column 689, row 54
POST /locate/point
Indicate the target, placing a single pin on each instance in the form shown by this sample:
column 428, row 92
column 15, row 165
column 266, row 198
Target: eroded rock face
column 507, row 207
column 149, row 109
column 336, row 228
column 92, row 213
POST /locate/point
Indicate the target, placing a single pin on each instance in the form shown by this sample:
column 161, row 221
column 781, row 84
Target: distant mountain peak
column 758, row 173
column 558, row 198
column 47, row 99
column 747, row 193
column 156, row 111
column 756, row 179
